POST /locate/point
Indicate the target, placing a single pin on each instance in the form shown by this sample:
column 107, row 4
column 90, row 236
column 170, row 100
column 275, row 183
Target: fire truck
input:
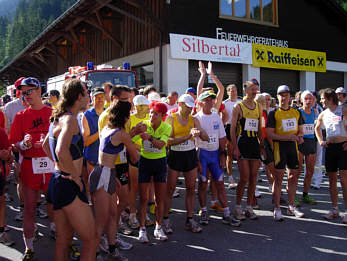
column 95, row 76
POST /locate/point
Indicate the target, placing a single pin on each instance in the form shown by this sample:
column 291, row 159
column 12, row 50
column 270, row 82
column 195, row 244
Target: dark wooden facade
column 92, row 30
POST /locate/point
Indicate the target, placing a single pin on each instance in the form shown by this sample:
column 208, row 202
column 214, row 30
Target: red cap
column 17, row 93
column 18, row 82
column 158, row 107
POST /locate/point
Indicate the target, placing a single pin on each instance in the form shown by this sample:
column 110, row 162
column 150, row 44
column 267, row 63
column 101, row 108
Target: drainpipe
column 161, row 61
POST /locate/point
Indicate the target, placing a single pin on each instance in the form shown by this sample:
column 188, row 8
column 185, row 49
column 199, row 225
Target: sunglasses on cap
column 28, row 92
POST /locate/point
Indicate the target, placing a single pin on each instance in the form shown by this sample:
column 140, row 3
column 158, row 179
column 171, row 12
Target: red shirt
column 4, row 145
column 33, row 122
column 2, row 120
column 264, row 122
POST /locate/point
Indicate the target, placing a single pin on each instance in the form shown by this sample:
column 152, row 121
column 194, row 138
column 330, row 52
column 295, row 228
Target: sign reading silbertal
column 288, row 58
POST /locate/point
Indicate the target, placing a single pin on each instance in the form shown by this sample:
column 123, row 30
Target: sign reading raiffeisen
column 209, row 49
column 288, row 58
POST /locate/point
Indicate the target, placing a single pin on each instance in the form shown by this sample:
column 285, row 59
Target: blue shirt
column 308, row 123
column 91, row 152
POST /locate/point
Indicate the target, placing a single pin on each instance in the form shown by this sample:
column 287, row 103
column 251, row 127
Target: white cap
column 140, row 100
column 154, row 96
column 188, row 100
column 340, row 90
column 304, row 93
column 282, row 88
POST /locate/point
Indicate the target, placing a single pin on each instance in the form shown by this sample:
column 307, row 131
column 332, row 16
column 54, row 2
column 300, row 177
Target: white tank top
column 333, row 122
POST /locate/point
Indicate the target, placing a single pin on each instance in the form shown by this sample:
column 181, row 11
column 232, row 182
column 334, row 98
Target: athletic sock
column 29, row 243
column 204, row 209
column 157, row 226
column 213, row 202
column 226, row 212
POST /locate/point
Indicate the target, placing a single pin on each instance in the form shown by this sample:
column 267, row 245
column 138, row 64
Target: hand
column 201, row 68
column 301, row 140
column 27, row 141
column 293, row 137
column 4, row 154
column 263, row 153
column 38, row 144
column 236, row 153
column 140, row 127
column 209, row 69
column 323, row 144
column 195, row 132
column 145, row 135
column 222, row 161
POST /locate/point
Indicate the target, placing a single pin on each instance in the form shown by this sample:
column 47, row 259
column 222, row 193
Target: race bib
column 149, row 147
column 42, row 165
column 251, row 124
column 289, row 124
column 184, row 146
column 213, row 142
column 123, row 156
column 308, row 129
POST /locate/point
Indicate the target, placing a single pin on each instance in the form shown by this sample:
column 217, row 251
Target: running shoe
column 278, row 215
column 123, row 245
column 257, row 193
column 159, row 234
column 116, row 256
column 143, row 236
column 333, row 213
column 250, row 213
column 149, row 221
column 344, row 220
column 203, row 217
column 103, row 244
column 216, row 207
column 6, row 239
column 232, row 183
column 40, row 213
column 152, row 209
column 231, row 221
column 239, row 215
column 306, row 199
column 176, row 193
column 167, row 226
column 19, row 216
column 133, row 223
column 74, row 252
column 28, row 255
column 124, row 229
column 192, row 226
column 294, row 211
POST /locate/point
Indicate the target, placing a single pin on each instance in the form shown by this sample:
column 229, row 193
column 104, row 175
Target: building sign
column 244, row 38
column 209, row 49
column 288, row 58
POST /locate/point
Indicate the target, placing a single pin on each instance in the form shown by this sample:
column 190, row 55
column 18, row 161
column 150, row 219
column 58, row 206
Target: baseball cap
column 140, row 100
column 205, row 95
column 154, row 96
column 304, row 93
column 30, row 81
column 19, row 80
column 255, row 81
column 97, row 90
column 192, row 90
column 340, row 90
column 282, row 88
column 187, row 99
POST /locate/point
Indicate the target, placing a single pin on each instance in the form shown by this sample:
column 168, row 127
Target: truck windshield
column 115, row 77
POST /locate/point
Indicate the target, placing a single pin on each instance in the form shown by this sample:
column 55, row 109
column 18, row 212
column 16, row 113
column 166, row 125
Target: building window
column 144, row 74
column 253, row 11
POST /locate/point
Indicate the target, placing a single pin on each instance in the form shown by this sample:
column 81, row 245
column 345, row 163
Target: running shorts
column 122, row 171
column 249, row 148
column 210, row 160
column 34, row 181
column 308, row 147
column 269, row 153
column 183, row 161
column 286, row 154
column 102, row 177
column 335, row 157
column 62, row 192
column 152, row 167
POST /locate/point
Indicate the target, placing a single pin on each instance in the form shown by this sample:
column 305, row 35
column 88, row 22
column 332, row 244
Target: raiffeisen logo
column 288, row 58
column 191, row 44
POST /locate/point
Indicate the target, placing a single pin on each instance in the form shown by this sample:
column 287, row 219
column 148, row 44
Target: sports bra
column 76, row 146
column 107, row 146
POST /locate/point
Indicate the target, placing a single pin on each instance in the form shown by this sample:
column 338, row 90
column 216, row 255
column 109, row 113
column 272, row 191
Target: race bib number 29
column 42, row 165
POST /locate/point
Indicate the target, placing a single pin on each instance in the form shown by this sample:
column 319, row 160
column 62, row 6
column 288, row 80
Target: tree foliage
column 30, row 18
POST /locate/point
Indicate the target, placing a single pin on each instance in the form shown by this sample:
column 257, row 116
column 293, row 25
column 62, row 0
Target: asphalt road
column 309, row 238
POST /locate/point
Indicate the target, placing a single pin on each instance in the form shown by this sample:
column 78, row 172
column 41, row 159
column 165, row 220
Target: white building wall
column 307, row 81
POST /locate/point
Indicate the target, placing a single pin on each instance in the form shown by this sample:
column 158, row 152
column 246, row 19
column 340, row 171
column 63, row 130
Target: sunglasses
column 28, row 92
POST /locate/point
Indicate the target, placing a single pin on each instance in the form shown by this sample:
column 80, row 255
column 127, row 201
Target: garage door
column 329, row 79
column 227, row 73
column 270, row 79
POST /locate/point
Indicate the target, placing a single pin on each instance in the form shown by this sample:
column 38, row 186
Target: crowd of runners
column 107, row 159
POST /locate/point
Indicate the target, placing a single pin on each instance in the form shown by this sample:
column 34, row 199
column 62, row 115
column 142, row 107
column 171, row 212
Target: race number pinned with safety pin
column 251, row 124
column 289, row 124
column 42, row 165
column 308, row 129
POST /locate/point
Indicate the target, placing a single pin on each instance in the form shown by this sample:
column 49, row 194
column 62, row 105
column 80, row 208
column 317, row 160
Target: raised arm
column 220, row 93
column 201, row 82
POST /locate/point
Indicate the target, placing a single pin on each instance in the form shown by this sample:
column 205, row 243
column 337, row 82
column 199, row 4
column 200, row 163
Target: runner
column 102, row 180
column 229, row 106
column 211, row 156
column 285, row 128
column 182, row 158
column 334, row 120
column 248, row 147
column 308, row 148
column 28, row 130
column 153, row 164
column 64, row 145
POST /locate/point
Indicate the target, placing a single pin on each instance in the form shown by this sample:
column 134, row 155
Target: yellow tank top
column 249, row 122
column 287, row 121
column 182, row 131
column 134, row 121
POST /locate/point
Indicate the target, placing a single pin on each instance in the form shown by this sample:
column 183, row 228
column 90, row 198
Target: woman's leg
column 171, row 185
column 244, row 178
column 144, row 195
column 133, row 188
column 252, row 181
column 190, row 180
column 160, row 194
column 64, row 234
